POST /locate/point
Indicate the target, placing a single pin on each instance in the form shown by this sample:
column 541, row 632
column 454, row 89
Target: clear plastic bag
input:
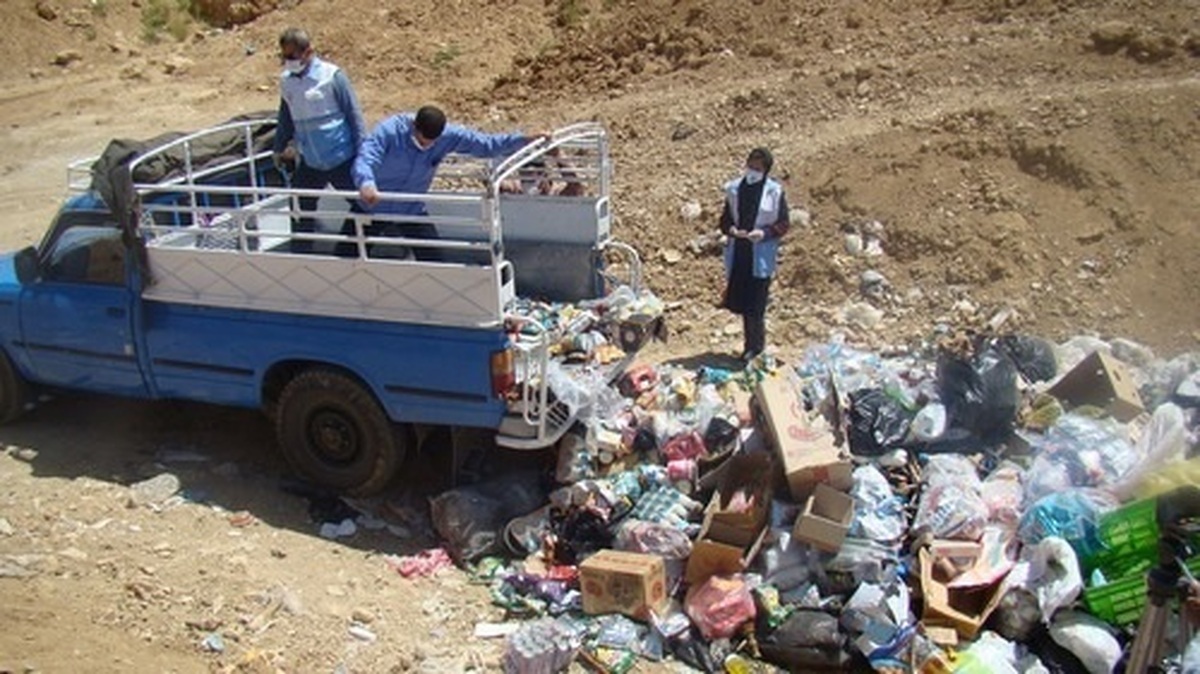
column 575, row 462
column 1089, row 452
column 878, row 512
column 567, row 388
column 953, row 511
column 653, row 538
column 950, row 469
column 929, row 424
column 1163, row 442
column 1003, row 493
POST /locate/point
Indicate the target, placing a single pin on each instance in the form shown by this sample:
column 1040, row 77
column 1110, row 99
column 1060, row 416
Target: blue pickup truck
column 172, row 271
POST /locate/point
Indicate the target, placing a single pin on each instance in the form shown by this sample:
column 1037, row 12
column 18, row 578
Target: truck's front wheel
column 333, row 431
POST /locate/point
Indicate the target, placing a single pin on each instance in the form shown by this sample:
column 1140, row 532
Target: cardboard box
column 746, row 476
column 1102, row 381
column 712, row 557
column 963, row 609
column 826, row 519
column 807, row 448
column 623, row 582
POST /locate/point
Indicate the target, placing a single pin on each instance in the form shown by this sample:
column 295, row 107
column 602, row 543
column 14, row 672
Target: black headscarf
column 750, row 195
column 764, row 155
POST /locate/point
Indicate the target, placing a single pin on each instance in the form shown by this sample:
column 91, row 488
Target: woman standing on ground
column 754, row 220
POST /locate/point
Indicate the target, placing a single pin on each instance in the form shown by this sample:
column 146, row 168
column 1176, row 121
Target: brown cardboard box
column 963, row 609
column 747, row 474
column 827, row 516
column 806, row 447
column 631, row 583
column 1102, row 381
column 712, row 557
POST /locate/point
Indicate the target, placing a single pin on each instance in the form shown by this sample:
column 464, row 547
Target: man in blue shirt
column 320, row 125
column 402, row 154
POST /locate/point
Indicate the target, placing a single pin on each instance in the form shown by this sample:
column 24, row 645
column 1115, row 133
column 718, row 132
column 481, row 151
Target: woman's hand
column 755, row 235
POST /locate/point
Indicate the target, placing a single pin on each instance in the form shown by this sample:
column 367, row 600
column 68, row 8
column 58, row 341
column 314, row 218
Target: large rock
column 227, row 13
column 46, row 10
column 1111, row 36
column 66, row 57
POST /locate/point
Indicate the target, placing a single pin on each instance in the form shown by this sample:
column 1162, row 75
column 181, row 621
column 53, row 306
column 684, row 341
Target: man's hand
column 755, row 235
column 285, row 159
column 369, row 194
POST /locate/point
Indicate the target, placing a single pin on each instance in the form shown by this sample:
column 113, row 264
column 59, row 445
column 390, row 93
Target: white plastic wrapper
column 1089, row 639
column 878, row 514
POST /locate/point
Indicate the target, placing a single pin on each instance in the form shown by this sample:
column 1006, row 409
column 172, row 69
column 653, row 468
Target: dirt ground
column 1034, row 157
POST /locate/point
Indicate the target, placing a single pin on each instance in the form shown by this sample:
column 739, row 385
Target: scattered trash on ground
column 972, row 506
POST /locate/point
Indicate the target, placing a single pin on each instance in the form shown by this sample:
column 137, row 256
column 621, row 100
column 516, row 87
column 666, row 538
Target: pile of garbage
column 985, row 504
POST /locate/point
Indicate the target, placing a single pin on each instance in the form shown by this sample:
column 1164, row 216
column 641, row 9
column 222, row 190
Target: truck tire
column 14, row 391
column 333, row 432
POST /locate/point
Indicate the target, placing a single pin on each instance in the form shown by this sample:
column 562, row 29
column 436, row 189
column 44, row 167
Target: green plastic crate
column 1120, row 602
column 1130, row 538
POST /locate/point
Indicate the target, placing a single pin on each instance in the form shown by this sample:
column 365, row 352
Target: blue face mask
column 417, row 144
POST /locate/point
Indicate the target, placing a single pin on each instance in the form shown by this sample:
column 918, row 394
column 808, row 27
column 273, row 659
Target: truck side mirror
column 25, row 263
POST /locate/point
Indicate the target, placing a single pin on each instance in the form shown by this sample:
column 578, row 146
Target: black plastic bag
column 808, row 628
column 980, row 393
column 878, row 424
column 720, row 436
column 472, row 519
column 1034, row 357
column 808, row 641
column 691, row 649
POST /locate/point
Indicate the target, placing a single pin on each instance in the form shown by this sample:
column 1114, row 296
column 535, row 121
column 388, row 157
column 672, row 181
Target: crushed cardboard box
column 807, row 447
column 966, row 609
column 1102, row 381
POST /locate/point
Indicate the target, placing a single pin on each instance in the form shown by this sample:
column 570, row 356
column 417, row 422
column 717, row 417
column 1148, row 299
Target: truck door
column 76, row 320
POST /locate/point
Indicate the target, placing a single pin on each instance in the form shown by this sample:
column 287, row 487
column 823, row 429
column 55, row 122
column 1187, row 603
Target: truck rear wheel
column 14, row 391
column 333, row 432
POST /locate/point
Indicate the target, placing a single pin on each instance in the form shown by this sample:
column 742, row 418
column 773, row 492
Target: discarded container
column 720, row 606
column 825, row 520
column 1102, row 381
column 541, row 647
column 629, row 583
column 806, row 448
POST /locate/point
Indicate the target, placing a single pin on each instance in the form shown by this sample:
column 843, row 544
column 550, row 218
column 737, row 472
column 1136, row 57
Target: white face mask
column 294, row 66
column 417, row 144
column 753, row 176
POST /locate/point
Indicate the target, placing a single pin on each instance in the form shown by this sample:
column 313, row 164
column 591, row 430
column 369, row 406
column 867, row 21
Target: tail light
column 504, row 376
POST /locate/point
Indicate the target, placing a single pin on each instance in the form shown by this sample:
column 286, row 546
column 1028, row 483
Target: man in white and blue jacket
column 320, row 125
column 754, row 220
column 403, row 153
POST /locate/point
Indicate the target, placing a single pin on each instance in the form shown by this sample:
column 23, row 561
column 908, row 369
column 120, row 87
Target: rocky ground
column 956, row 159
